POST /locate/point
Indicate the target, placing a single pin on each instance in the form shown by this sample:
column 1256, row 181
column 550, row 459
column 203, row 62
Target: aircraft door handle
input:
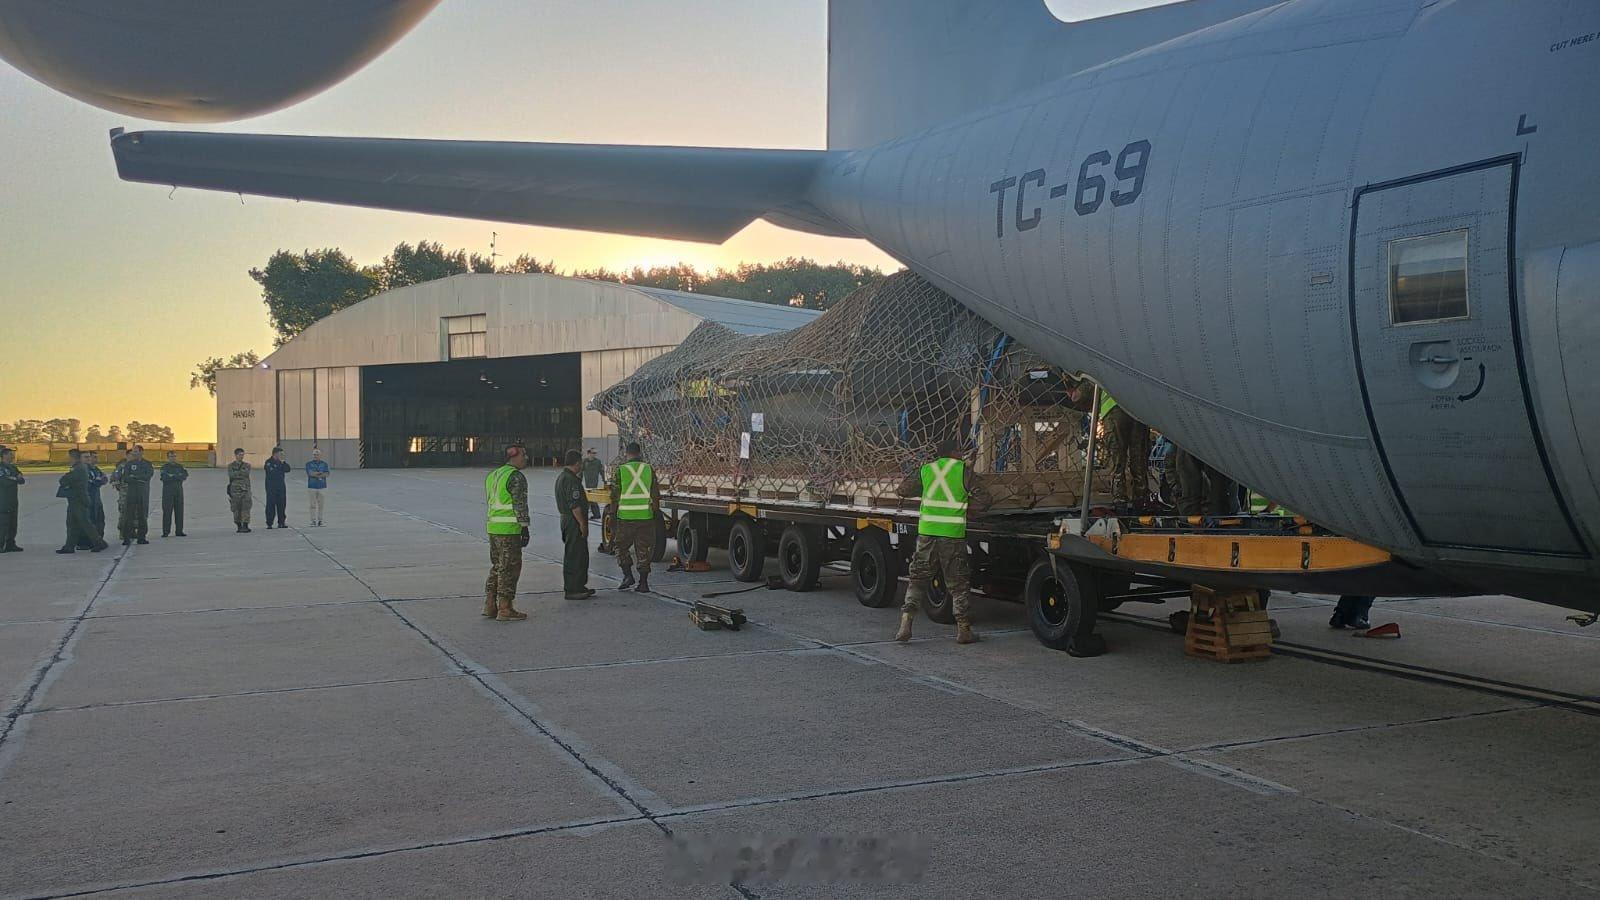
column 1439, row 359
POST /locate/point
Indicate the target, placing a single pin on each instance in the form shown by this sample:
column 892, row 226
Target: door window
column 1428, row 278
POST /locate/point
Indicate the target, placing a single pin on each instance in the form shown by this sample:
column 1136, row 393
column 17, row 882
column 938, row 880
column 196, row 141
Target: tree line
column 300, row 289
column 70, row 431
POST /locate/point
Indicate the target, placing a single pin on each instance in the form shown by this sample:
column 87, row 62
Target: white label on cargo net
column 758, row 423
column 744, row 445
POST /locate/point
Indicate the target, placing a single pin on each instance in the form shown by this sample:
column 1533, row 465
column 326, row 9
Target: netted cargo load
column 837, row 411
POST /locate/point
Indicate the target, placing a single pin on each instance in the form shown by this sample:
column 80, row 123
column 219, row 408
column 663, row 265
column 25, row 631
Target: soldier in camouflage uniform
column 239, row 491
column 636, row 505
column 97, row 506
column 945, row 486
column 505, row 492
column 120, row 487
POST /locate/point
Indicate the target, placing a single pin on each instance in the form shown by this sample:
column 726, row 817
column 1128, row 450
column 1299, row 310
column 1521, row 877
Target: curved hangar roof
column 526, row 315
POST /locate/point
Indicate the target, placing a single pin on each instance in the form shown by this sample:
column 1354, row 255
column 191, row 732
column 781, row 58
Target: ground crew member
column 277, row 490
column 574, row 512
column 1202, row 490
column 118, row 486
column 136, row 475
column 173, row 475
column 945, row 486
column 316, row 486
column 97, row 506
column 1351, row 612
column 505, row 492
column 1128, row 441
column 594, row 475
column 636, row 503
column 74, row 486
column 239, row 491
column 10, row 479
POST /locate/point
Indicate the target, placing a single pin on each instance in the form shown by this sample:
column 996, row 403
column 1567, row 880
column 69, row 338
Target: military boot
column 904, row 634
column 490, row 607
column 644, row 583
column 964, row 633
column 627, row 580
column 510, row 615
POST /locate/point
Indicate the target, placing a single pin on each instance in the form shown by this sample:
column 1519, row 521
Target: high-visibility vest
column 1107, row 403
column 633, row 501
column 497, row 492
column 944, row 499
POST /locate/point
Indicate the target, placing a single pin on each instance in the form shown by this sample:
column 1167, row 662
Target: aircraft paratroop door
column 1434, row 313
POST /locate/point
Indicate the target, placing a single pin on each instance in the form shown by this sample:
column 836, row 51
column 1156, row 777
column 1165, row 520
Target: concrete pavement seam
column 577, row 825
column 906, row 784
column 197, row 698
column 51, row 669
column 612, row 777
column 1229, row 746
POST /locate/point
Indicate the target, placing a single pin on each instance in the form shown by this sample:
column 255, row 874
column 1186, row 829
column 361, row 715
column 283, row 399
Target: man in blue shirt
column 316, row 485
column 277, row 491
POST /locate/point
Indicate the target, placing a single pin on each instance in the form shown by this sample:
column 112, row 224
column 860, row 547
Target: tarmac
column 323, row 712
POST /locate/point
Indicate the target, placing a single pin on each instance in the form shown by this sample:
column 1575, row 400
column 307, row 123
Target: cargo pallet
column 1065, row 560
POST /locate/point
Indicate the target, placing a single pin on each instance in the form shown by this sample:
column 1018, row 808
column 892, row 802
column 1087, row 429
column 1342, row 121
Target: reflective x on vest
column 943, row 511
column 635, row 478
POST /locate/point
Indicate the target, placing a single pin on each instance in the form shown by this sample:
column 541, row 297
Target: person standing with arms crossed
column 574, row 512
column 276, row 468
column 239, row 491
column 316, row 486
column 945, row 486
column 10, row 479
column 505, row 493
column 636, row 499
column 136, row 475
column 173, row 475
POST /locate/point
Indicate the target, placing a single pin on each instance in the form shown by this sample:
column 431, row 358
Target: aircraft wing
column 683, row 193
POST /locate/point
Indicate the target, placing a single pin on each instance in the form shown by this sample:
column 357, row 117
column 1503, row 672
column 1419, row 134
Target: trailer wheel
column 800, row 557
column 874, row 568
column 659, row 548
column 1062, row 612
column 746, row 550
column 694, row 540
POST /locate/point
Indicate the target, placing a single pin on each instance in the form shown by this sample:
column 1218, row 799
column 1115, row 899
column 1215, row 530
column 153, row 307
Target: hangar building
column 447, row 372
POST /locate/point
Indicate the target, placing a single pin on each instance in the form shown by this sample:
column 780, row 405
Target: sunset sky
column 110, row 292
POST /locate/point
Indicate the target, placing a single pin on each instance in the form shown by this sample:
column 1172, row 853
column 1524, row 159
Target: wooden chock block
column 1227, row 626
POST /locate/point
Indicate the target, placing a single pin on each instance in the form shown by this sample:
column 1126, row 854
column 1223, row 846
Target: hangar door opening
column 465, row 412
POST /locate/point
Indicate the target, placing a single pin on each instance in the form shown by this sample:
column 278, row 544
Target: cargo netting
column 838, row 410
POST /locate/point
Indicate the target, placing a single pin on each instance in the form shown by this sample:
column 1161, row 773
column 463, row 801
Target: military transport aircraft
column 1347, row 250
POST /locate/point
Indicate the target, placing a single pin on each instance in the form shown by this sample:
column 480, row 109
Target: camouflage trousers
column 505, row 567
column 1129, row 441
column 634, row 539
column 239, row 504
column 946, row 557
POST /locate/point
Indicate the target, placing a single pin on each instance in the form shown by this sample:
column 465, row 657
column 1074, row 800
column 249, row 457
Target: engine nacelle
column 199, row 60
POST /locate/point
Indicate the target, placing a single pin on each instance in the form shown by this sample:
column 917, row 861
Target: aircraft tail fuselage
column 1339, row 250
